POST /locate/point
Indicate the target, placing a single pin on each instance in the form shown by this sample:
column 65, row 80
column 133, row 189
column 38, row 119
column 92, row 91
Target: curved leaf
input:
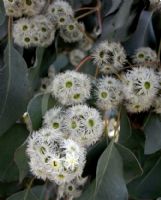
column 37, row 108
column 92, row 157
column 9, row 142
column 110, row 183
column 115, row 5
column 89, row 192
column 34, row 72
column 120, row 25
column 132, row 167
column 21, row 161
column 2, row 13
column 125, row 127
column 36, row 193
column 149, row 185
column 14, row 88
column 143, row 36
column 152, row 131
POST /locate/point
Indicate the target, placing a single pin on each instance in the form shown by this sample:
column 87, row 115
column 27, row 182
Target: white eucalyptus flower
column 13, row 7
column 145, row 56
column 51, row 157
column 140, row 87
column 84, row 124
column 71, row 87
column 108, row 93
column 109, row 56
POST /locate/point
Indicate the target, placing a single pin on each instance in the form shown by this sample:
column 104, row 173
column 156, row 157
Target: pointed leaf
column 14, row 88
column 21, row 161
column 36, row 193
column 89, row 192
column 2, row 13
column 152, row 131
column 125, row 127
column 147, row 186
column 37, row 108
column 121, row 24
column 9, row 142
column 143, row 36
column 131, row 165
column 110, row 183
column 34, row 72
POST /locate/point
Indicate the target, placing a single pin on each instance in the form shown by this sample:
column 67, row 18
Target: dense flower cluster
column 58, row 150
column 41, row 20
column 138, row 86
column 109, row 56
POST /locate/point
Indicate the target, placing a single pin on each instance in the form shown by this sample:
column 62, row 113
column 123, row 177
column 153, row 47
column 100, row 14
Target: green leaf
column 34, row 72
column 36, row 193
column 92, row 157
column 125, row 127
column 152, row 131
column 115, row 5
column 121, row 24
column 7, row 189
column 143, row 36
column 89, row 192
column 9, row 142
column 110, row 183
column 2, row 13
column 148, row 186
column 21, row 161
column 48, row 59
column 3, row 32
column 60, row 62
column 131, row 165
column 88, row 68
column 14, row 88
column 37, row 108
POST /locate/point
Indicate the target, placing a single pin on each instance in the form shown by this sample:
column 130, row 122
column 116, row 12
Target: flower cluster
column 51, row 156
column 71, row 190
column 138, row 88
column 145, row 56
column 71, row 88
column 17, row 8
column 109, row 57
column 41, row 20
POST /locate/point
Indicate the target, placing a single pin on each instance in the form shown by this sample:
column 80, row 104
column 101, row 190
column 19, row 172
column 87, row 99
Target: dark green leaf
column 60, row 62
column 7, row 189
column 37, row 108
column 3, row 30
column 21, row 161
column 152, row 131
column 14, row 88
column 48, row 59
column 89, row 192
column 131, row 165
column 110, row 183
column 36, row 193
column 144, row 34
column 125, row 127
column 88, row 68
column 120, row 25
column 156, row 20
column 34, row 72
column 147, row 186
column 2, row 13
column 92, row 157
column 9, row 142
column 111, row 8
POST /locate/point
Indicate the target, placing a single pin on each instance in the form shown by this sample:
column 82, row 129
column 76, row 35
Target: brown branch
column 87, row 58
